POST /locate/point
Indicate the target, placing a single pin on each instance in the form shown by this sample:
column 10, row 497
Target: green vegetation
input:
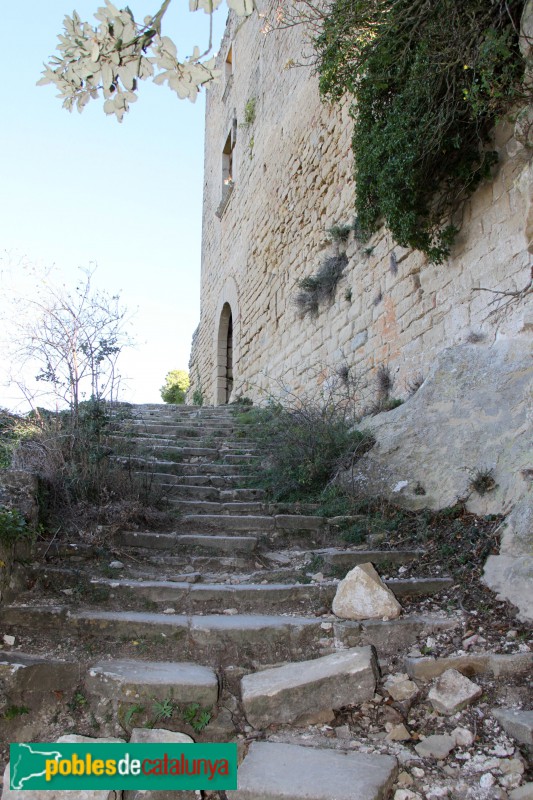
column 429, row 81
column 249, row 112
column 12, row 712
column 13, row 527
column 307, row 441
column 175, row 387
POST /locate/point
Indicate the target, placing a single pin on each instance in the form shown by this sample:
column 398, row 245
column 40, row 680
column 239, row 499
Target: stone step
column 211, row 596
column 193, row 507
column 292, row 523
column 229, row 482
column 309, row 691
column 347, row 559
column 241, row 458
column 184, row 542
column 187, row 454
column 243, row 640
column 214, row 494
column 160, row 465
column 25, row 677
column 133, row 681
column 276, row 771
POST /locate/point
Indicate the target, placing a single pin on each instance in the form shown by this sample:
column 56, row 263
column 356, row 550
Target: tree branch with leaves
column 111, row 59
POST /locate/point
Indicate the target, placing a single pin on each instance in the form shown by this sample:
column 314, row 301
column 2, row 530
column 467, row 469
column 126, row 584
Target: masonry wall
column 292, row 180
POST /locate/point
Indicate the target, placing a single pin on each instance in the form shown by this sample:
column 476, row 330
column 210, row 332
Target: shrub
column 429, row 81
column 307, row 439
column 13, row 527
column 319, row 288
column 175, row 387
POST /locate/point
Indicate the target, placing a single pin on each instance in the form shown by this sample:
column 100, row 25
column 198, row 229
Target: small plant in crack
column 475, row 337
column 320, row 287
column 483, row 481
column 339, row 233
column 413, row 384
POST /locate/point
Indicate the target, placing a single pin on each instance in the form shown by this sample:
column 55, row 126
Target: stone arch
column 226, row 343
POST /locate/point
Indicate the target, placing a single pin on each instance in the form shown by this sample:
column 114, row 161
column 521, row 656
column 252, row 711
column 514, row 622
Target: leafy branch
column 112, row 58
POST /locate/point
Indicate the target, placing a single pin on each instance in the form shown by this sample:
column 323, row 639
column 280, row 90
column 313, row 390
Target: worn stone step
column 347, row 559
column 274, row 771
column 281, row 522
column 182, row 542
column 241, row 458
column 228, row 482
column 213, row 597
column 132, row 680
column 418, row 587
column 161, row 465
column 309, row 691
column 245, row 640
column 500, row 665
column 189, row 507
column 186, row 454
column 25, row 677
column 393, row 637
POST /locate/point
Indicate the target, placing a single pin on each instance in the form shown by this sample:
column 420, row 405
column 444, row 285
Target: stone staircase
column 220, row 612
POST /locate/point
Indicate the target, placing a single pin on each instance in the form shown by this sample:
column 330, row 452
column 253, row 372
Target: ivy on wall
column 429, row 81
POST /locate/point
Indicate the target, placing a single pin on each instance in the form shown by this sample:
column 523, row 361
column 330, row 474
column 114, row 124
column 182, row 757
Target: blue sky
column 80, row 189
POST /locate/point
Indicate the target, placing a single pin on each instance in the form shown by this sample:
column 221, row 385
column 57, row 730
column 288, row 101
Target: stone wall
column 18, row 491
column 292, row 180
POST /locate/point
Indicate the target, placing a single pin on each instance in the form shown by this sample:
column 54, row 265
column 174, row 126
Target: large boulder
column 510, row 573
column 363, row 595
column 467, row 426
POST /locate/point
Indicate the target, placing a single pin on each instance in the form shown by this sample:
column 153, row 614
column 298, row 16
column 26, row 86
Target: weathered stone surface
column 480, row 393
column 510, row 573
column 518, row 724
column 295, row 692
column 437, row 746
column 27, row 675
column 363, row 595
column 524, row 792
column 19, row 490
column 130, row 680
column 290, row 772
column 452, row 692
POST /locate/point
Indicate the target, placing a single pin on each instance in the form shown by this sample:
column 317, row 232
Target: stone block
column 296, row 692
column 129, row 680
column 274, row 771
column 453, row 692
column 363, row 595
column 518, row 724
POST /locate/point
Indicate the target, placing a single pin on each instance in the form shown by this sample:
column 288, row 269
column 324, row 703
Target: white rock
column 487, row 780
column 116, row 565
column 406, row 794
column 452, row 692
column 9, row 640
column 363, row 595
column 400, row 687
column 463, row 737
column 436, row 746
column 169, row 611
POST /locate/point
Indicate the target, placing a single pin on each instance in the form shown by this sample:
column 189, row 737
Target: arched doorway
column 225, row 356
